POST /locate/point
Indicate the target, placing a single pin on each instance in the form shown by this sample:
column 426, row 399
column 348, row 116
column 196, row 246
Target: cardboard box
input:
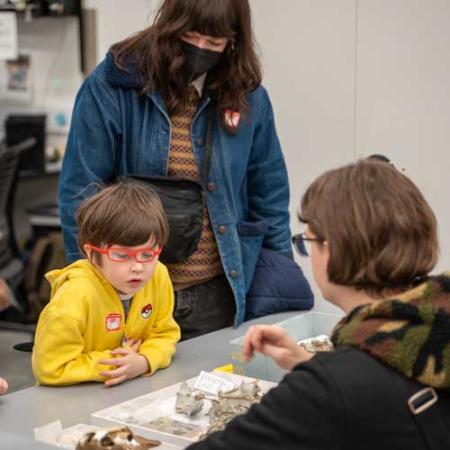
column 299, row 327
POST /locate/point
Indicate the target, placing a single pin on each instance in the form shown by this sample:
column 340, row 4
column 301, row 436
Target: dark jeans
column 204, row 307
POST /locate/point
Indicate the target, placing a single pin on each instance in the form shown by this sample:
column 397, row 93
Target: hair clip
column 385, row 159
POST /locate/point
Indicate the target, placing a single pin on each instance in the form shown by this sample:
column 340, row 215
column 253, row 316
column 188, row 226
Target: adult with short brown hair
column 372, row 240
column 144, row 111
column 380, row 229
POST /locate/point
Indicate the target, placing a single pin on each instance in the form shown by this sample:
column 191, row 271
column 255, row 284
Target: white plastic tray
column 141, row 413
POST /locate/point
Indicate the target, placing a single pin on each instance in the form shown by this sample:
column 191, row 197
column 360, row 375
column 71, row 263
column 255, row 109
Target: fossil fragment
column 316, row 344
column 188, row 402
column 232, row 404
column 115, row 439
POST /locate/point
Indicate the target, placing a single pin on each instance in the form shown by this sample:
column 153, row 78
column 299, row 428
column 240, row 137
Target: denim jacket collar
column 116, row 77
column 133, row 79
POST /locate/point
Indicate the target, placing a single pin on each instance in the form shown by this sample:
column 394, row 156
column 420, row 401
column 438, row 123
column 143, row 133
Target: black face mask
column 198, row 60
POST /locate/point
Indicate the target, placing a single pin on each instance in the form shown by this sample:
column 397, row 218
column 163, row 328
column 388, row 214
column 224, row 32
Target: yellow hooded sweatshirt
column 85, row 320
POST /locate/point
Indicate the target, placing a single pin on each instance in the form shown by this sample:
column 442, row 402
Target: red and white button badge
column 232, row 118
column 113, row 322
column 146, row 311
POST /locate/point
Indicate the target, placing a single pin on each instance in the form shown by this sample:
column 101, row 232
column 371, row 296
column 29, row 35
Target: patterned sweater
column 204, row 263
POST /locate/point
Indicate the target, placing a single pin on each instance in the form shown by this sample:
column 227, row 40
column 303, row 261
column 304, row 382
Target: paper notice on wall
column 16, row 81
column 8, row 35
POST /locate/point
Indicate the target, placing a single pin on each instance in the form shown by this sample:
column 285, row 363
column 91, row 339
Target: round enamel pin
column 146, row 311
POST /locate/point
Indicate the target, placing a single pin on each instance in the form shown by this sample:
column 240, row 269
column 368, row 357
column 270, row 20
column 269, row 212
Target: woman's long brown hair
column 157, row 54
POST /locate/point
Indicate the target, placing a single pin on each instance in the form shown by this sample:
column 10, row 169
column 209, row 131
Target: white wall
column 356, row 77
column 403, row 94
column 308, row 51
column 117, row 19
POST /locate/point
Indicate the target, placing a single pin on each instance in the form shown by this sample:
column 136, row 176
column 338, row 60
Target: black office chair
column 11, row 265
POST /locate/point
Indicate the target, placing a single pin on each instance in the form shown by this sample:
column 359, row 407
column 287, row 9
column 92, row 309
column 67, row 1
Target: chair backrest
column 9, row 160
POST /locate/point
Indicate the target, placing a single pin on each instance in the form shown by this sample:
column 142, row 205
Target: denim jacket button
column 233, row 274
column 200, row 142
column 222, row 229
column 211, row 186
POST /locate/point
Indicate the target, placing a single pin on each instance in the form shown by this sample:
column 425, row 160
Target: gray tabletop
column 24, row 410
column 10, row 441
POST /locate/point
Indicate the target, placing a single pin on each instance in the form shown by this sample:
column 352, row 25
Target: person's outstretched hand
column 3, row 386
column 273, row 341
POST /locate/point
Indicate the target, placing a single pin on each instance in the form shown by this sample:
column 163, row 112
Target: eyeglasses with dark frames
column 302, row 243
column 123, row 254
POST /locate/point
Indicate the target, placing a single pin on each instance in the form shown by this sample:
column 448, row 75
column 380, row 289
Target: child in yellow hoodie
column 110, row 315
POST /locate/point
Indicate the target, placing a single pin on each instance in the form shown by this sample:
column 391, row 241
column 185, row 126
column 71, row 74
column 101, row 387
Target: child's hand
column 132, row 344
column 3, row 386
column 129, row 365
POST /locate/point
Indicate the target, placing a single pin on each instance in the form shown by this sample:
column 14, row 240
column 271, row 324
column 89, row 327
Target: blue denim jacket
column 117, row 131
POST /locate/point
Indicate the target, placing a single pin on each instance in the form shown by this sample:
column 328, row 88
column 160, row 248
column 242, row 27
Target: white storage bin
column 300, row 327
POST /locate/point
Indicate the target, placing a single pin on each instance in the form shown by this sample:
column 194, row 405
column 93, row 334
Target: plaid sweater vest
column 204, row 263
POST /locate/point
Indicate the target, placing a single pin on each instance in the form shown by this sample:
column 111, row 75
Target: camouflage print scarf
column 410, row 333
